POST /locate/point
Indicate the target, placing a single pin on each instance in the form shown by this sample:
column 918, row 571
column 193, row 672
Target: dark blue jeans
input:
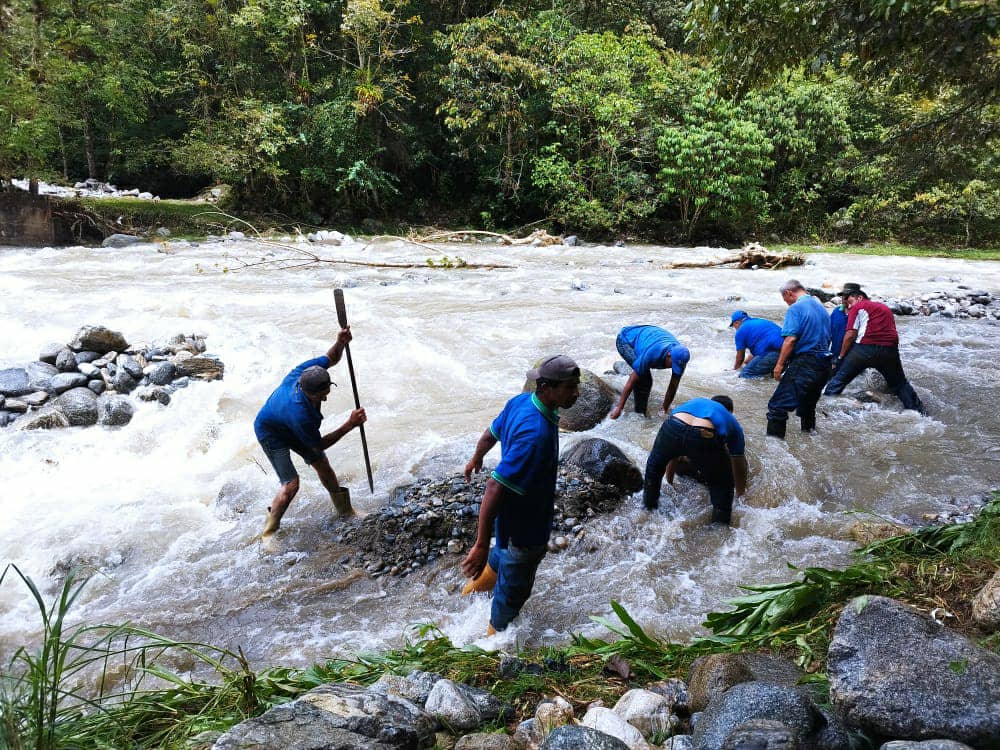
column 799, row 389
column 760, row 367
column 515, row 567
column 885, row 359
column 706, row 450
column 643, row 384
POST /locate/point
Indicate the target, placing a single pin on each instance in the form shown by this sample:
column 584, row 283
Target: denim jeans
column 799, row 388
column 885, row 359
column 515, row 567
column 760, row 367
column 706, row 450
column 643, row 384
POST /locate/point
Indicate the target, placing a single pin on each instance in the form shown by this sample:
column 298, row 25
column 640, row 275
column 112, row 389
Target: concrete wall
column 28, row 220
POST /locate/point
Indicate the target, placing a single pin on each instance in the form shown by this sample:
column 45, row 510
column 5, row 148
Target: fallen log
column 750, row 257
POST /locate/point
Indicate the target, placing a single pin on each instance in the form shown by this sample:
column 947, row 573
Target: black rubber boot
column 776, row 428
column 809, row 423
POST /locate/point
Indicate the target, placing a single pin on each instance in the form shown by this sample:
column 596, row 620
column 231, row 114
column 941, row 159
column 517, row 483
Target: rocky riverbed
column 89, row 380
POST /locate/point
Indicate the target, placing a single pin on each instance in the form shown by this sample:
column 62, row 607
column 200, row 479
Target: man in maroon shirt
column 871, row 341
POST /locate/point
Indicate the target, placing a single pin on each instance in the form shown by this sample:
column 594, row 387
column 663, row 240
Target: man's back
column 807, row 320
column 874, row 323
column 759, row 336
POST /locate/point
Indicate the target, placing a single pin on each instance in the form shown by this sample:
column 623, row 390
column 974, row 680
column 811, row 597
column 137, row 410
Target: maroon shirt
column 874, row 323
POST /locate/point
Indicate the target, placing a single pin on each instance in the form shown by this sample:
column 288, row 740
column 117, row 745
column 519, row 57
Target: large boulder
column 14, row 382
column 121, row 240
column 79, row 405
column 332, row 717
column 986, row 605
column 897, row 673
column 581, row 738
column 606, row 463
column 714, row 674
column 98, row 339
column 415, row 687
column 747, row 701
column 452, row 707
column 596, row 400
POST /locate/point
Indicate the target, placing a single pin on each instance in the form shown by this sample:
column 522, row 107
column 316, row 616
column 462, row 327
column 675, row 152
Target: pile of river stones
column 899, row 680
column 961, row 302
column 92, row 379
column 428, row 520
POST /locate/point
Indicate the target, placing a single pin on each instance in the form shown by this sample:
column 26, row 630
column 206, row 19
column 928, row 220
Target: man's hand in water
column 358, row 417
column 475, row 561
column 345, row 336
column 474, row 466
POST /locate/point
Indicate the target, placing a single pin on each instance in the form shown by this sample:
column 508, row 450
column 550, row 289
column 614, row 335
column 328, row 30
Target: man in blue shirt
column 838, row 324
column 708, row 435
column 290, row 421
column 803, row 365
column 647, row 348
column 518, row 502
column 762, row 338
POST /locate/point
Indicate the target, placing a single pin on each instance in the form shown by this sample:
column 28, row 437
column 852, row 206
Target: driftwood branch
column 752, row 256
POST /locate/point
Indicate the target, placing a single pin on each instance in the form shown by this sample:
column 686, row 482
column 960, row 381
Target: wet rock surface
column 427, row 520
column 606, row 463
column 85, row 382
column 595, row 401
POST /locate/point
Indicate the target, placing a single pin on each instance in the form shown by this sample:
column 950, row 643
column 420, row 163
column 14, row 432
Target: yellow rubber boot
column 341, row 498
column 490, row 630
column 484, row 582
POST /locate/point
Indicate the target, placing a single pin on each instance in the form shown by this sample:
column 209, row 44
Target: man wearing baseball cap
column 518, row 503
column 871, row 340
column 838, row 323
column 290, row 421
column 648, row 348
column 762, row 338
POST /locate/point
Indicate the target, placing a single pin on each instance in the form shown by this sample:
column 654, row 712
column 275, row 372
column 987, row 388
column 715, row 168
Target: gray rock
column 676, row 693
column 607, row 721
column 121, row 240
column 679, row 742
column 581, row 738
column 36, row 399
column 66, row 361
column 761, row 734
column 415, row 687
column 596, row 400
column 162, row 232
column 79, row 405
column 153, row 393
column 86, row 357
column 65, row 381
column 16, row 406
column 713, row 675
column 40, row 375
column 98, row 339
column 895, row 672
column 451, row 706
column 97, row 386
column 338, row 716
column 89, row 370
column 925, row 745
column 528, row 734
column 49, row 417
column 571, row 241
column 14, row 382
column 986, row 605
column 760, row 700
column 647, row 711
column 487, row 742
column 201, row 367
column 6, row 418
column 123, row 382
column 605, row 462
column 127, row 362
column 50, row 352
column 160, row 373
column 116, row 411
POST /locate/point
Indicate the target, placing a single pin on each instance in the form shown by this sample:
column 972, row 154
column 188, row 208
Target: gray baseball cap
column 558, row 367
column 314, row 380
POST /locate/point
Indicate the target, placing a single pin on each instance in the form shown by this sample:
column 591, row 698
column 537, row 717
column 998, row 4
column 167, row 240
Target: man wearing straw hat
column 519, row 499
column 290, row 421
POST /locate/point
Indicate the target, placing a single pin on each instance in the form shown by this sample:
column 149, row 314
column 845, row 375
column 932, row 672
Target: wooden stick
column 338, row 296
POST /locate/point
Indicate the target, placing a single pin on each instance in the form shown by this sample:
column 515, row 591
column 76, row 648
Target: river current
column 163, row 511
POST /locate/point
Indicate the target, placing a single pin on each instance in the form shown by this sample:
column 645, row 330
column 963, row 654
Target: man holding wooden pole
column 290, row 421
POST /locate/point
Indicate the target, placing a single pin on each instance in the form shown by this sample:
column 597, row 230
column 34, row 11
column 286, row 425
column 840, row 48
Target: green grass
column 42, row 706
column 966, row 253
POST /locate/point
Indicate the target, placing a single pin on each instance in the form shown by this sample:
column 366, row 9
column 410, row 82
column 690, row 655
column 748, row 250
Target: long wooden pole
column 338, row 296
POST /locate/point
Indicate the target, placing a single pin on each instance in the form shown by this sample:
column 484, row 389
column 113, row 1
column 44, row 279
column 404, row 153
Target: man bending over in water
column 290, row 421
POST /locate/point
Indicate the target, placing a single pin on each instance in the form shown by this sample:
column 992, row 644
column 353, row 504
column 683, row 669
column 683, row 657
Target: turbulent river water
column 164, row 510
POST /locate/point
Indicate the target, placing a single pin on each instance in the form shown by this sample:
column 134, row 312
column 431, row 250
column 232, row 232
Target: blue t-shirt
column 290, row 417
column 651, row 344
column 807, row 320
column 759, row 336
column 528, row 432
column 725, row 423
column 838, row 327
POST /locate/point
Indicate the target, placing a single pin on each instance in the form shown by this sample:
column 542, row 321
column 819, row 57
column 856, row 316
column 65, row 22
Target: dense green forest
column 834, row 119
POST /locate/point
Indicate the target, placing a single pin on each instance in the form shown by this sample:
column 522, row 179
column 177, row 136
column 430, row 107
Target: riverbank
column 936, row 569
